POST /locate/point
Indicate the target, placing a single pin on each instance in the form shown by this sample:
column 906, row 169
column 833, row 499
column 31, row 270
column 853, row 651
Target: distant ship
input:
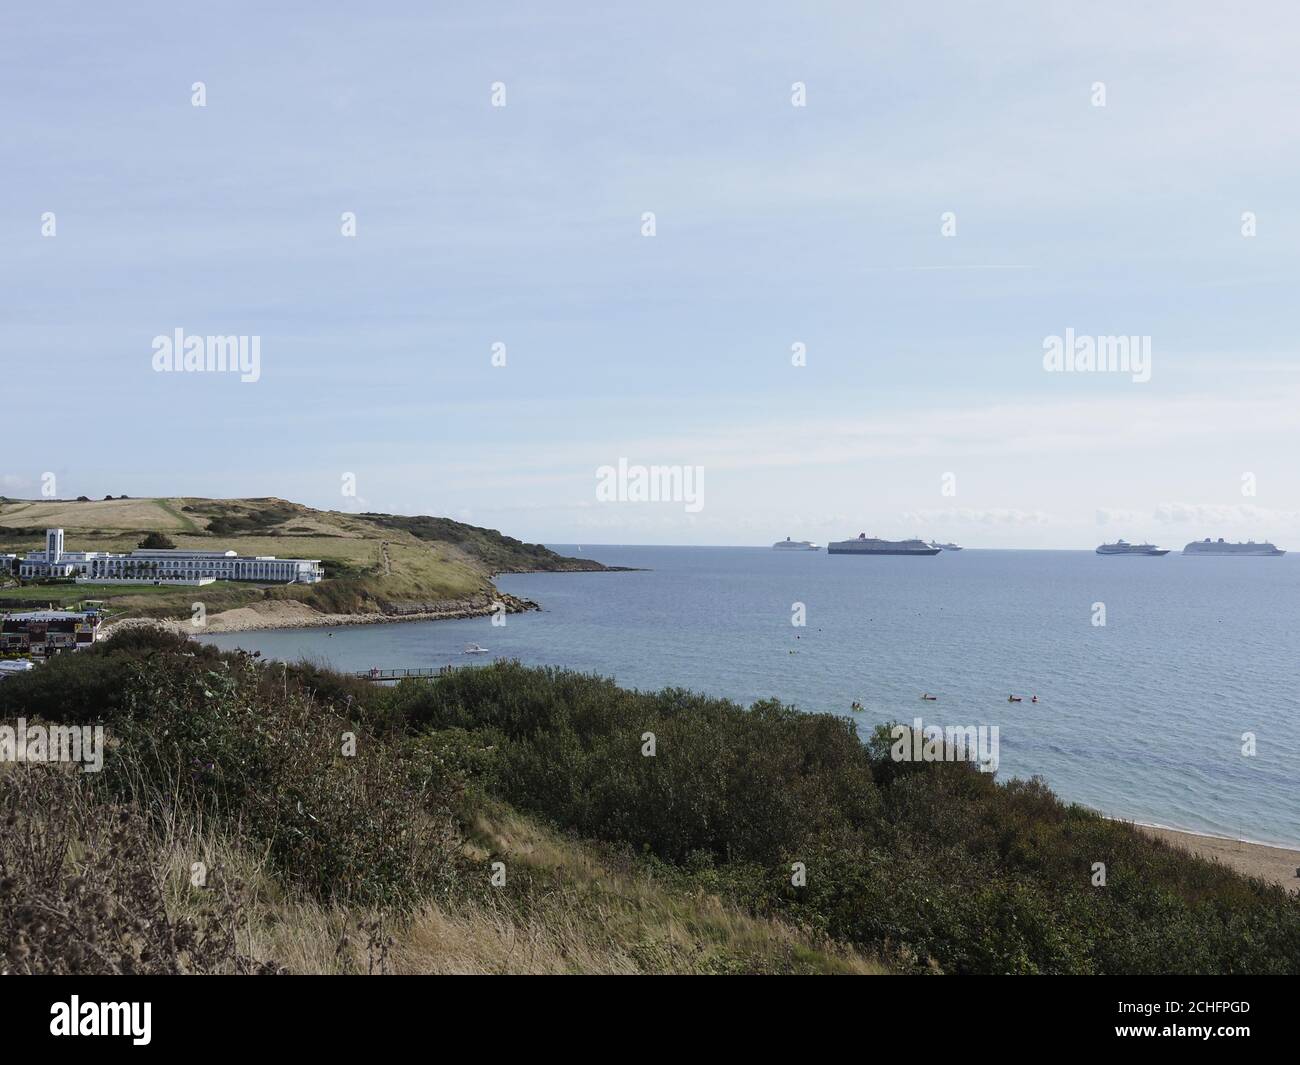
column 1222, row 547
column 795, row 545
column 945, row 547
column 870, row 545
column 1123, row 547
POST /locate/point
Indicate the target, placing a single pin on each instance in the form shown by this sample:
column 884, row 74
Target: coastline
column 1265, row 861
column 1273, row 863
column 290, row 614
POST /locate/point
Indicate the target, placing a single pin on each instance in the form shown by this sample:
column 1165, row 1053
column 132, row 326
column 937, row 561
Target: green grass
column 72, row 593
column 183, row 520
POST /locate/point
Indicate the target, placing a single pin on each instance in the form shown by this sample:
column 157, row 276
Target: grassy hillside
column 612, row 860
column 315, row 861
column 375, row 563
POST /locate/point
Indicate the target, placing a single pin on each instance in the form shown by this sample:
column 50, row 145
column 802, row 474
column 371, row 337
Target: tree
column 156, row 541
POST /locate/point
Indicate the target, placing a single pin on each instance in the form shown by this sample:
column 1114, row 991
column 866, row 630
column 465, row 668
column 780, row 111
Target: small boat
column 1014, row 699
column 930, row 698
column 475, row 649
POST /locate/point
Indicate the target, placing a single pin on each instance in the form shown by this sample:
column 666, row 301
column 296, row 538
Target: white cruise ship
column 795, row 545
column 1222, row 547
column 1123, row 547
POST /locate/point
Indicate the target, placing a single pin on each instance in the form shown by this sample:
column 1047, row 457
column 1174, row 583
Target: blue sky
column 775, row 224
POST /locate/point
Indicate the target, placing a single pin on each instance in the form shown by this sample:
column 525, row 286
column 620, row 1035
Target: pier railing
column 379, row 675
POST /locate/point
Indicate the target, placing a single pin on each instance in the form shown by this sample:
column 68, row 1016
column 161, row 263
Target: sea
column 1168, row 687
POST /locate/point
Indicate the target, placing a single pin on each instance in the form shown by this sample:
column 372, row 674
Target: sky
column 869, row 219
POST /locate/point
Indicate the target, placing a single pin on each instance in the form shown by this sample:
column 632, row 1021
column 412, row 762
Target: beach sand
column 288, row 614
column 1277, row 865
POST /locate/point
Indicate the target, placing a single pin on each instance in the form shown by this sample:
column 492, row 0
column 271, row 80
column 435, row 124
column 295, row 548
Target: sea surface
column 1142, row 718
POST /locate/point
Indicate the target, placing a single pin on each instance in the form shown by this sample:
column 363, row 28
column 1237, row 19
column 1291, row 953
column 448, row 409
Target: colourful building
column 48, row 632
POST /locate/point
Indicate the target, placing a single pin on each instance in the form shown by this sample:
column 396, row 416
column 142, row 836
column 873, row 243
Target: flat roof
column 179, row 552
column 49, row 615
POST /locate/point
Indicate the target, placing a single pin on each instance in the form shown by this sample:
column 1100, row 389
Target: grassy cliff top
column 375, row 563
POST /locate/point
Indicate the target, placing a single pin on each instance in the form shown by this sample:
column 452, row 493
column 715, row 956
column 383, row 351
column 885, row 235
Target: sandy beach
column 288, row 614
column 1277, row 865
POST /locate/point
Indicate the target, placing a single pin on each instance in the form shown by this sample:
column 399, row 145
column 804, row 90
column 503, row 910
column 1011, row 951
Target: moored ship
column 871, row 545
column 944, row 547
column 1222, row 547
column 1123, row 547
column 795, row 545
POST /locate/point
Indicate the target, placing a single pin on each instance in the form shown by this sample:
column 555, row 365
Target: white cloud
column 973, row 516
column 1106, row 516
column 1215, row 514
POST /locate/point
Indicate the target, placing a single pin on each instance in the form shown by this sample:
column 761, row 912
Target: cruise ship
column 871, row 545
column 1123, row 547
column 795, row 545
column 944, row 547
column 1222, row 547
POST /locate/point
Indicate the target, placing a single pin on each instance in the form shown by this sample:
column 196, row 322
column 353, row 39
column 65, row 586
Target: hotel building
column 171, row 566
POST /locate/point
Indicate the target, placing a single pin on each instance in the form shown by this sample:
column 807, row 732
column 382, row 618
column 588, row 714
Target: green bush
column 335, row 808
column 89, row 686
column 752, row 785
column 934, row 865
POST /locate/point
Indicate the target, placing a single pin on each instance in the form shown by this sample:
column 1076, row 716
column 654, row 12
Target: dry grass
column 562, row 911
column 81, row 891
column 143, row 515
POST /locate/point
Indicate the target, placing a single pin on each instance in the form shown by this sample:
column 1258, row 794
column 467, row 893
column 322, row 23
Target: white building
column 171, row 566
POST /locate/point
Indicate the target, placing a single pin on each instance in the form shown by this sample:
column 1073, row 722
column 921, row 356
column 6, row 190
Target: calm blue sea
column 1142, row 718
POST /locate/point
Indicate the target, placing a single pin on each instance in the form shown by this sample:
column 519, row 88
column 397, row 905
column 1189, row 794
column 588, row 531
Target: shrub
column 933, row 865
column 333, row 807
column 90, row 686
column 744, row 785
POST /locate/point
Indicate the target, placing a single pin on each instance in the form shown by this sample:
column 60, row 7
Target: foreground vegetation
column 230, row 832
column 513, row 819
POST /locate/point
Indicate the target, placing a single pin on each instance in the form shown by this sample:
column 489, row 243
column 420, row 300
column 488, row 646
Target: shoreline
column 290, row 614
column 1274, row 863
column 1271, row 862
